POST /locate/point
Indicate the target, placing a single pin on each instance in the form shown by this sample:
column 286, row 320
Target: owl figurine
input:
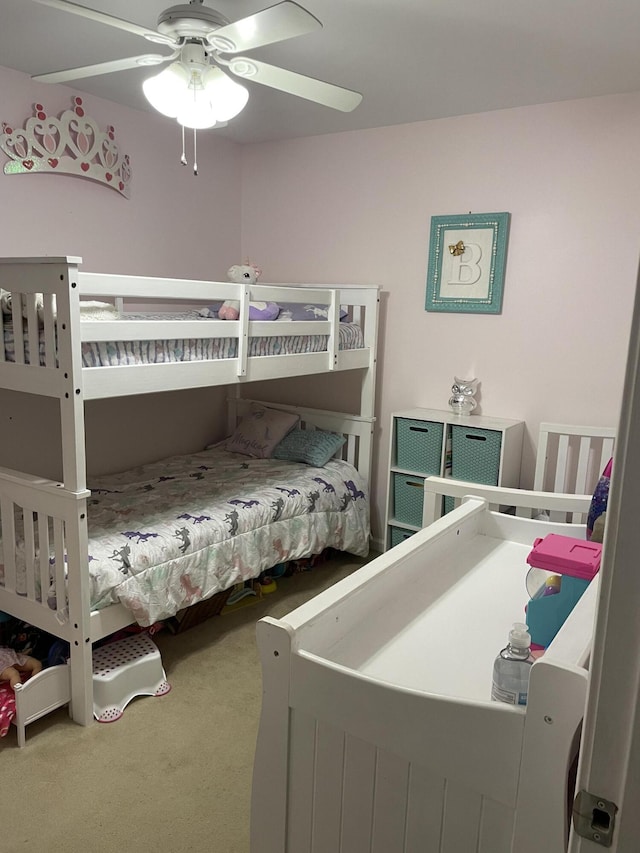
column 462, row 400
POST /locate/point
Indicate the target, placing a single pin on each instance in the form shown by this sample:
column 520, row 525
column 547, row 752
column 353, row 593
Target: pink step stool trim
column 566, row 555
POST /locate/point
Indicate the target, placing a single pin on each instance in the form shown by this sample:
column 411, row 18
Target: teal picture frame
column 467, row 258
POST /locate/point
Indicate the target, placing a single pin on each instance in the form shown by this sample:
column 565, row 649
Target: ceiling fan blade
column 102, row 18
column 285, row 20
column 295, row 84
column 71, row 74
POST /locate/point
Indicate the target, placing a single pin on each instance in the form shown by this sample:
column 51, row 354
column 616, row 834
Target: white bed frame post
column 71, row 401
column 368, row 386
column 70, row 361
column 367, row 391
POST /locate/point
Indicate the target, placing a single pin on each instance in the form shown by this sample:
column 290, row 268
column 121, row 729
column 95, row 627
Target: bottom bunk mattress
column 171, row 533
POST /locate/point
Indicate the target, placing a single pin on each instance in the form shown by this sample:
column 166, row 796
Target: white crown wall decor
column 72, row 144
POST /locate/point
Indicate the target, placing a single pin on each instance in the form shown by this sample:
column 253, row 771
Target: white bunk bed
column 377, row 730
column 45, row 300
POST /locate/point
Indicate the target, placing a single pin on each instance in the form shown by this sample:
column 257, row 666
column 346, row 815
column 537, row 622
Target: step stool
column 123, row 670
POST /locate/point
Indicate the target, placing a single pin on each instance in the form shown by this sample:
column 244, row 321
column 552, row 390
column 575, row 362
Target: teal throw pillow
column 313, row 447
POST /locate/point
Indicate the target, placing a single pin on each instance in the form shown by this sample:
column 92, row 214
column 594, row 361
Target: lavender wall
column 356, row 207
column 174, row 224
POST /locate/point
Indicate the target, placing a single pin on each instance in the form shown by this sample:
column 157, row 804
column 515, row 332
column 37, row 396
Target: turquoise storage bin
column 419, row 445
column 399, row 534
column 408, row 499
column 475, row 454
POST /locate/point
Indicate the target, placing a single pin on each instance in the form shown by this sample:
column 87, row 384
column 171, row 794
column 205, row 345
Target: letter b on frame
column 467, row 255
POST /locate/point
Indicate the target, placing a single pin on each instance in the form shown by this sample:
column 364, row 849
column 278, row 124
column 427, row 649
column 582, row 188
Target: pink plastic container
column 564, row 555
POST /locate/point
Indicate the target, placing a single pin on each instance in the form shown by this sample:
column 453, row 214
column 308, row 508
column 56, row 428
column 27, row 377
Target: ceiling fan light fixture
column 196, row 98
column 196, row 110
column 227, row 97
column 166, row 91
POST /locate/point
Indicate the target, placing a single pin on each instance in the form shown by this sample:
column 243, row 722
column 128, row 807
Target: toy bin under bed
column 377, row 729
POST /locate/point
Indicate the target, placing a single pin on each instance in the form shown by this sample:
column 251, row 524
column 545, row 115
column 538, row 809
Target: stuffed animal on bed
column 247, row 274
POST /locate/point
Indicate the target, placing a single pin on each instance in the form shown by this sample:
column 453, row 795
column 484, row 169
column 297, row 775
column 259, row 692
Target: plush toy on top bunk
column 247, row 274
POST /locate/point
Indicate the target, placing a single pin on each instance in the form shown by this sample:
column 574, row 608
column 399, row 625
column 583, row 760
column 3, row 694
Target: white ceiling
column 411, row 59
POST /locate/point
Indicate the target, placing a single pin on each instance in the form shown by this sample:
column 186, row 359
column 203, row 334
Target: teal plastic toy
column 576, row 562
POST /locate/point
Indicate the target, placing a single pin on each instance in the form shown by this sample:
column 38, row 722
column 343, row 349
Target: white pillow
column 260, row 431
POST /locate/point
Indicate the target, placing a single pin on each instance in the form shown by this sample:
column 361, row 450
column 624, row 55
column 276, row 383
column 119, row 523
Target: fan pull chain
column 195, row 154
column 183, row 158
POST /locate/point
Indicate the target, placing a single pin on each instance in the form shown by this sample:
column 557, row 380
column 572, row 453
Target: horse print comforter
column 168, row 534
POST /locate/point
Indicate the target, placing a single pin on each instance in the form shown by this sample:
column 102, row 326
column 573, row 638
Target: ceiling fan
column 198, row 87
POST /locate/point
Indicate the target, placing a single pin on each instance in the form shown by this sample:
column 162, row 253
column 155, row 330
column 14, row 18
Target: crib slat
column 560, row 482
column 357, row 797
column 350, row 450
column 32, row 327
column 562, row 462
column 390, row 803
column 43, row 541
column 49, row 330
column 607, row 453
column 425, row 802
column 58, row 546
column 582, row 470
column 328, row 774
column 29, row 553
column 582, row 473
column 461, row 818
column 16, row 319
column 301, row 766
column 9, row 543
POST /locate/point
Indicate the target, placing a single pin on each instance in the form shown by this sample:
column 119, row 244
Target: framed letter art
column 467, row 255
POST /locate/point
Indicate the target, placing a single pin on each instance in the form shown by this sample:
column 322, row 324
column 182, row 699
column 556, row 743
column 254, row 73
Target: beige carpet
column 174, row 773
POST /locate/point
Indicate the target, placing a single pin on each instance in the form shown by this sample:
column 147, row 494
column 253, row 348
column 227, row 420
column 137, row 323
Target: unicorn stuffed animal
column 240, row 274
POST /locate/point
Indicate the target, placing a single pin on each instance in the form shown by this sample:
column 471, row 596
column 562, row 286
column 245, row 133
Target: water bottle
column 512, row 667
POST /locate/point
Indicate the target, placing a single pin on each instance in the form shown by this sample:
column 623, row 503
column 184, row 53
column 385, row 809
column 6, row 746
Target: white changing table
column 377, row 731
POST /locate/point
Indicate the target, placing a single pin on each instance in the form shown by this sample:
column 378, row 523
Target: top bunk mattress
column 162, row 351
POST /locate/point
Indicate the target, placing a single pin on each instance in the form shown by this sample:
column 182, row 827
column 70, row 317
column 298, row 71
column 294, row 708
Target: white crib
column 377, row 731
